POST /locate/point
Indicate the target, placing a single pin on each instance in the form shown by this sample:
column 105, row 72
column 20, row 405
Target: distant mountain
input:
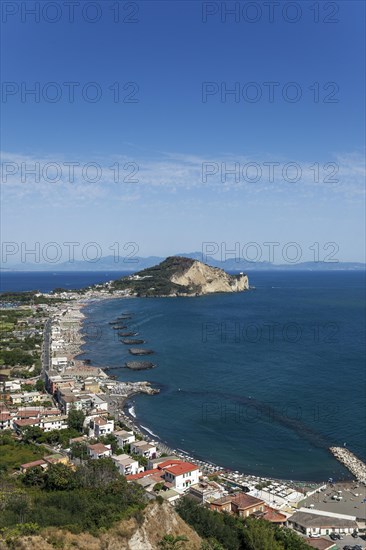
column 111, row 263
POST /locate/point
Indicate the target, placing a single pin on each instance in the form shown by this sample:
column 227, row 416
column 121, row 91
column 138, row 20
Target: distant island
column 180, row 276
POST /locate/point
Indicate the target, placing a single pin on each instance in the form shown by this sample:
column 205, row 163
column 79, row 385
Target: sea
column 262, row 382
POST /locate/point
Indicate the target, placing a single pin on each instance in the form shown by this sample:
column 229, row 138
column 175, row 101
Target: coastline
column 123, row 406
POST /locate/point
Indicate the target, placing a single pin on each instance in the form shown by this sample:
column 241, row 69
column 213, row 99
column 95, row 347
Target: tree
column 75, row 420
column 40, row 385
column 79, row 450
column 60, row 477
column 32, row 433
column 259, row 535
column 18, row 503
column 34, row 477
column 142, row 460
column 110, row 439
column 98, row 473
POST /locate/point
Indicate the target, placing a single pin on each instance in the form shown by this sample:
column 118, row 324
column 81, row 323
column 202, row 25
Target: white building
column 205, row 491
column 6, row 420
column 12, row 385
column 124, row 438
column 100, row 426
column 28, row 397
column 59, row 362
column 53, row 423
column 99, row 403
column 181, row 475
column 142, row 448
column 155, row 462
column 99, row 451
column 318, row 522
column 125, row 464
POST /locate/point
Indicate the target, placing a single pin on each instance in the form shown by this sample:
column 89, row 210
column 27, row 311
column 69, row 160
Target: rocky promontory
column 181, row 276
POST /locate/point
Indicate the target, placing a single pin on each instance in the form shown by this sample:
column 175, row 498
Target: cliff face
column 158, row 520
column 180, row 276
column 210, row 279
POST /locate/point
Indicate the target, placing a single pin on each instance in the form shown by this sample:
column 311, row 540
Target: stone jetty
column 140, row 351
column 127, row 389
column 139, row 365
column 351, row 462
column 132, row 341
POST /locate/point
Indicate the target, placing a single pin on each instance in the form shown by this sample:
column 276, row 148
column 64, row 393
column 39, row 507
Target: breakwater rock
column 127, row 333
column 132, row 341
column 350, row 461
column 139, row 365
column 140, row 351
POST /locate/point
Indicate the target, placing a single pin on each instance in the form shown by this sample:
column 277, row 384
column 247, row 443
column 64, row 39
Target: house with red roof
column 22, row 424
column 176, row 474
column 180, row 475
column 241, row 504
column 35, row 464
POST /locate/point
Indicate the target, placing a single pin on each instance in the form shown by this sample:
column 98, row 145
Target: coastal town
column 54, row 392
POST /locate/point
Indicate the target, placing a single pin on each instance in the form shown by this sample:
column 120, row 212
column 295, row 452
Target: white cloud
column 60, row 180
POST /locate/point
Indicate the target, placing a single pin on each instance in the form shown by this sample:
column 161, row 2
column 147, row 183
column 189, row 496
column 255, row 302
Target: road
column 45, row 358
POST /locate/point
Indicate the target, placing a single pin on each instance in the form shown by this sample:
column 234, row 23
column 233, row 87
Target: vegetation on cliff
column 90, row 497
column 224, row 531
column 158, row 280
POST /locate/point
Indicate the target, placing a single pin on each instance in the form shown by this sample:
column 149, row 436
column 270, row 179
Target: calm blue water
column 45, row 281
column 263, row 381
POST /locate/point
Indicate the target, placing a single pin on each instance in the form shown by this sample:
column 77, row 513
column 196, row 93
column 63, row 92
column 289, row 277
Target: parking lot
column 351, row 503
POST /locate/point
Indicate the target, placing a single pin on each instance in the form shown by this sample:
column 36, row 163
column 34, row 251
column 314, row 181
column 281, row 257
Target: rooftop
column 100, row 421
column 123, row 433
column 320, row 544
column 141, row 474
column 33, row 464
column 27, row 422
column 142, row 443
column 99, row 448
column 308, row 519
column 242, row 501
column 123, row 459
column 180, row 469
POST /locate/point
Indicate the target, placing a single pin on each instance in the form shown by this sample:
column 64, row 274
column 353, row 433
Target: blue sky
column 174, row 132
